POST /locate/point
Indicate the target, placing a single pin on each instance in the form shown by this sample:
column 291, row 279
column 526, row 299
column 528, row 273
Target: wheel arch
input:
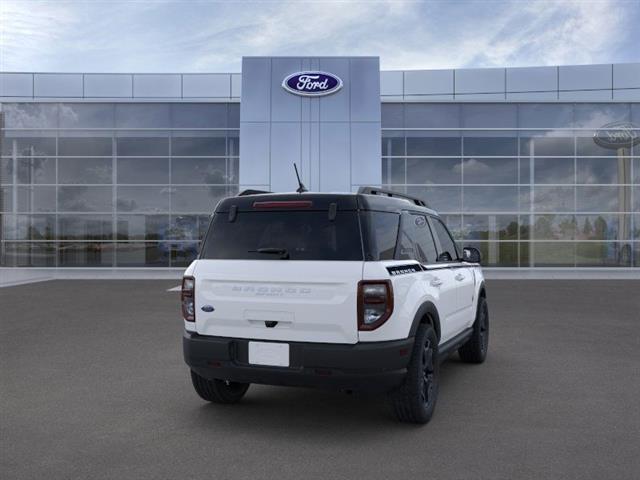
column 426, row 314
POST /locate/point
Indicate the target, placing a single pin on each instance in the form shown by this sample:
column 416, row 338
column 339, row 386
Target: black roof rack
column 389, row 193
column 251, row 192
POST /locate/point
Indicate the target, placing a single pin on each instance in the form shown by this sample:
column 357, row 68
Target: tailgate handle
column 270, row 323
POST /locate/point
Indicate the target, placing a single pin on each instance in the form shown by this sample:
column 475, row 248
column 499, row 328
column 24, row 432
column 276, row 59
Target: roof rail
column 389, row 193
column 251, row 192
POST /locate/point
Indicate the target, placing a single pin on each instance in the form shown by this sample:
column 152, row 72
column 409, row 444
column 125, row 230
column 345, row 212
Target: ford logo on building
column 617, row 135
column 312, row 84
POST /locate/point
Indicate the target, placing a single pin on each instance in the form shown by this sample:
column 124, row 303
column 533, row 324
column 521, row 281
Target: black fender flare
column 426, row 309
column 482, row 291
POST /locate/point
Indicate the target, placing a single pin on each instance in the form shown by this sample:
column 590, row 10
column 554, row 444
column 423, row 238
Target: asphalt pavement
column 93, row 386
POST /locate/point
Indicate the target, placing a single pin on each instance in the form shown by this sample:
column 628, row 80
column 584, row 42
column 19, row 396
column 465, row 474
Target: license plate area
column 269, row 353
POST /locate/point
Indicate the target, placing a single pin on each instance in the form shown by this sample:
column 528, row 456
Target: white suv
column 363, row 291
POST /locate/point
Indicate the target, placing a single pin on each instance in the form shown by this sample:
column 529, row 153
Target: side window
column 381, row 234
column 446, row 246
column 416, row 242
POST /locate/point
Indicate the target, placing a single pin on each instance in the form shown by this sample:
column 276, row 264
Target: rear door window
column 416, row 242
column 446, row 246
column 293, row 235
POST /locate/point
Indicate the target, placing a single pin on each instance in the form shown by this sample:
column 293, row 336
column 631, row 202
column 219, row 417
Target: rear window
column 295, row 235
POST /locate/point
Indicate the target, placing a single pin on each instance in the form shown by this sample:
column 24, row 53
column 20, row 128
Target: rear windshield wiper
column 284, row 254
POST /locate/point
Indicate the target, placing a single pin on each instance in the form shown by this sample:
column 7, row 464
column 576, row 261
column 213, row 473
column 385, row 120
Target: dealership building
column 537, row 167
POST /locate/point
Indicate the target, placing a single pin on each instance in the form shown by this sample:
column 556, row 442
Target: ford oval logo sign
column 312, row 84
column 617, row 135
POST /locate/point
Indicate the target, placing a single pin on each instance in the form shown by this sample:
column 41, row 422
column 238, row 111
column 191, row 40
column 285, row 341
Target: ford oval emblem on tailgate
column 207, row 308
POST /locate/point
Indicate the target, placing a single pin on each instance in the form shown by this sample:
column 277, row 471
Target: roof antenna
column 301, row 187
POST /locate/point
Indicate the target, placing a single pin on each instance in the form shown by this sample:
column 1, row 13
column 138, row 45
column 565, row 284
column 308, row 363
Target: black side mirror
column 471, row 255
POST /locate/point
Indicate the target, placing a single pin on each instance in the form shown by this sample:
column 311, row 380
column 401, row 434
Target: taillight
column 188, row 299
column 375, row 303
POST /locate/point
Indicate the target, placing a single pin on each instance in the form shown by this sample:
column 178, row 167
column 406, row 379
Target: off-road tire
column 218, row 391
column 475, row 349
column 415, row 400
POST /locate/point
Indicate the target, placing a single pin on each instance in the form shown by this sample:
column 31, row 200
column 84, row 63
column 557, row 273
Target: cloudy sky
column 212, row 36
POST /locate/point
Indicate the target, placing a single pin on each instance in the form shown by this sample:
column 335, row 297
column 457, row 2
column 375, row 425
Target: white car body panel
column 311, row 301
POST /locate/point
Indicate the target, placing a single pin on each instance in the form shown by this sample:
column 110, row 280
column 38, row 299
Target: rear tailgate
column 284, row 300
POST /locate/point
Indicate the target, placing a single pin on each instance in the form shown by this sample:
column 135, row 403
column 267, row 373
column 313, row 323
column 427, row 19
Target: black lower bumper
column 372, row 367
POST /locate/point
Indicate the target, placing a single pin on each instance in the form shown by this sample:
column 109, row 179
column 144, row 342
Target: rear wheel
column 475, row 350
column 218, row 391
column 415, row 400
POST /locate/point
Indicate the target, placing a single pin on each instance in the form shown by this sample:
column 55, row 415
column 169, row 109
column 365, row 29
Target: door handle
column 436, row 282
column 459, row 277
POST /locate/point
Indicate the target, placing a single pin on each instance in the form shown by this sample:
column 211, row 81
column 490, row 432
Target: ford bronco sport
column 362, row 291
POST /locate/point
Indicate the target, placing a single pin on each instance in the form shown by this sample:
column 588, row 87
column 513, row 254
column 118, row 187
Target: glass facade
column 112, row 184
column 133, row 184
column 524, row 183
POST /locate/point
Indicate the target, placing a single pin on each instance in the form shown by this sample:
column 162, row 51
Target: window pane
column 35, row 170
column 84, row 170
column 603, row 254
column 6, row 199
column 542, row 146
column 381, row 234
column 142, row 146
column 85, row 146
column 84, row 199
column 198, row 115
column 636, row 227
column 490, row 146
column 197, row 199
column 143, row 199
column 553, row 199
column 554, row 170
column 490, row 227
column 30, row 115
column 596, row 115
column 198, row 146
column 28, row 227
column 188, row 227
column 554, row 227
column 542, row 115
column 85, row 227
column 392, row 115
column 585, row 145
column 442, row 199
column 490, row 199
column 143, row 170
column 489, row 116
column 602, row 198
column 142, row 115
column 604, row 227
column 636, row 170
column 28, row 146
column 183, row 253
column 143, row 227
column 604, row 170
column 490, row 170
column 421, row 115
column 392, row 144
column 393, row 171
column 552, row 254
column 38, row 254
column 36, row 199
column 432, row 146
column 86, row 115
column 434, row 170
column 454, row 224
column 497, row 254
column 143, row 254
column 199, row 170
column 85, row 254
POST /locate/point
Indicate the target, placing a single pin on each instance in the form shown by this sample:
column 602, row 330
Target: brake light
column 188, row 298
column 284, row 204
column 375, row 303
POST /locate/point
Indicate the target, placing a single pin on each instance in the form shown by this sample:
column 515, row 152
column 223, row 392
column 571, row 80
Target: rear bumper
column 371, row 367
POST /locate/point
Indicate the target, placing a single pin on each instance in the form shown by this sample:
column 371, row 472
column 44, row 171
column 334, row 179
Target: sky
column 212, row 36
